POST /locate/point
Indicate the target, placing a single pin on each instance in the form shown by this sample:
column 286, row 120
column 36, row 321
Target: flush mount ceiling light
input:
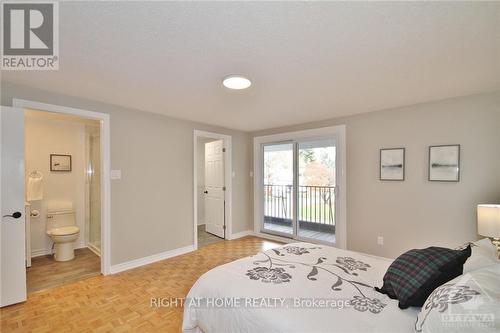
column 237, row 82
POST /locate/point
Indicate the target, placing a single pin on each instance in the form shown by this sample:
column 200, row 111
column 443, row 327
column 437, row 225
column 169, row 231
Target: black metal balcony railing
column 315, row 206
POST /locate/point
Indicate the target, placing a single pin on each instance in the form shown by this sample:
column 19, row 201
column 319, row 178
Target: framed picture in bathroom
column 60, row 162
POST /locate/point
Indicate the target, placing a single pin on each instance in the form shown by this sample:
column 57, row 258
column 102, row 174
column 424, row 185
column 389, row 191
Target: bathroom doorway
column 12, row 119
column 63, row 198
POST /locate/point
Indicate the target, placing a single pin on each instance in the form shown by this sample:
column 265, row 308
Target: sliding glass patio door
column 299, row 189
column 316, row 190
column 278, row 188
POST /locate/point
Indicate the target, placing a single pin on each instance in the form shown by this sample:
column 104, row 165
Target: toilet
column 62, row 229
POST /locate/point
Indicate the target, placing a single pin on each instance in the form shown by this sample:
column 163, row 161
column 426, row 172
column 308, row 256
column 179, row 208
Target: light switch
column 115, row 174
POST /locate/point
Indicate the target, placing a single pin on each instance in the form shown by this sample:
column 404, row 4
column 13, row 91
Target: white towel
column 34, row 190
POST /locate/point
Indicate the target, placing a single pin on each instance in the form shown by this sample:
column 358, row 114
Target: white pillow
column 484, row 254
column 468, row 303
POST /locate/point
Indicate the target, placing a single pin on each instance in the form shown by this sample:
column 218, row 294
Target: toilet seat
column 64, row 231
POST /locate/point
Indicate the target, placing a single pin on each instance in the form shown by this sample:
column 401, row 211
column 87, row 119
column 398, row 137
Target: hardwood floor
column 122, row 302
column 46, row 273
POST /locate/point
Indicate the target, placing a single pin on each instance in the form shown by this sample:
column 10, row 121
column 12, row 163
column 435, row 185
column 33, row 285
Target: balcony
column 316, row 211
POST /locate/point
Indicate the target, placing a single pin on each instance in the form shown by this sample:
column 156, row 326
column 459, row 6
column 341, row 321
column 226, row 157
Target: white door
column 12, row 232
column 214, row 188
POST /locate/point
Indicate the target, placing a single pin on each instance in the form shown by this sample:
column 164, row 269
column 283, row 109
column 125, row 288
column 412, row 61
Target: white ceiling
column 308, row 61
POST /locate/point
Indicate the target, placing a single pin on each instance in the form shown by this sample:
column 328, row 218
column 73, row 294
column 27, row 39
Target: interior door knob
column 14, row 215
column 206, row 192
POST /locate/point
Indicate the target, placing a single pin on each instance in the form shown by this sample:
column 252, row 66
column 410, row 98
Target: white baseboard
column 149, row 260
column 242, row 234
column 44, row 252
column 40, row 252
column 94, row 249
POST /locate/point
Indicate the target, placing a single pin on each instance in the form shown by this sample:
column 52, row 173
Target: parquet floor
column 122, row 302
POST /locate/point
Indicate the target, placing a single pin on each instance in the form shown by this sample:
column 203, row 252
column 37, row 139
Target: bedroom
column 392, row 75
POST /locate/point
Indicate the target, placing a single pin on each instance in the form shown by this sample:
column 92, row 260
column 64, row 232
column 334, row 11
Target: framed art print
column 444, row 163
column 60, row 162
column 392, row 164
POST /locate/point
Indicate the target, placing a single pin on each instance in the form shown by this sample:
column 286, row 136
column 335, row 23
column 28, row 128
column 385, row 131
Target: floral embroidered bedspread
column 299, row 287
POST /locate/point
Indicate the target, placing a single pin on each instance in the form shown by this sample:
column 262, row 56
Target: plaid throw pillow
column 413, row 276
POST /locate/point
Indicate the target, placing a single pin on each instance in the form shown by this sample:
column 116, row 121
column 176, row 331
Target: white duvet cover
column 299, row 287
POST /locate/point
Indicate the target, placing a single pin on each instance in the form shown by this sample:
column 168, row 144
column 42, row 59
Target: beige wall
column 152, row 205
column 416, row 212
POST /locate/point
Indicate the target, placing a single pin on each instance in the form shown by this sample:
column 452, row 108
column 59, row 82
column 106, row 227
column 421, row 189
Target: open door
column 214, row 188
column 12, row 232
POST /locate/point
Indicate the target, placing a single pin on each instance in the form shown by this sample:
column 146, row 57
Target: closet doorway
column 212, row 188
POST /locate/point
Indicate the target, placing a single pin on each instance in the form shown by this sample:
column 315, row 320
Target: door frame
column 105, row 127
column 228, row 220
column 339, row 132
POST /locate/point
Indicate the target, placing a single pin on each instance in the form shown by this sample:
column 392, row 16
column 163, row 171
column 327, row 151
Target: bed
column 299, row 287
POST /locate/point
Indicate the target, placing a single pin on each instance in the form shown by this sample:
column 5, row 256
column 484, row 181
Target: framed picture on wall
column 444, row 163
column 60, row 162
column 392, row 164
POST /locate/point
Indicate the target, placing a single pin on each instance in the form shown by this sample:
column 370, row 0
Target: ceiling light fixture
column 237, row 82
